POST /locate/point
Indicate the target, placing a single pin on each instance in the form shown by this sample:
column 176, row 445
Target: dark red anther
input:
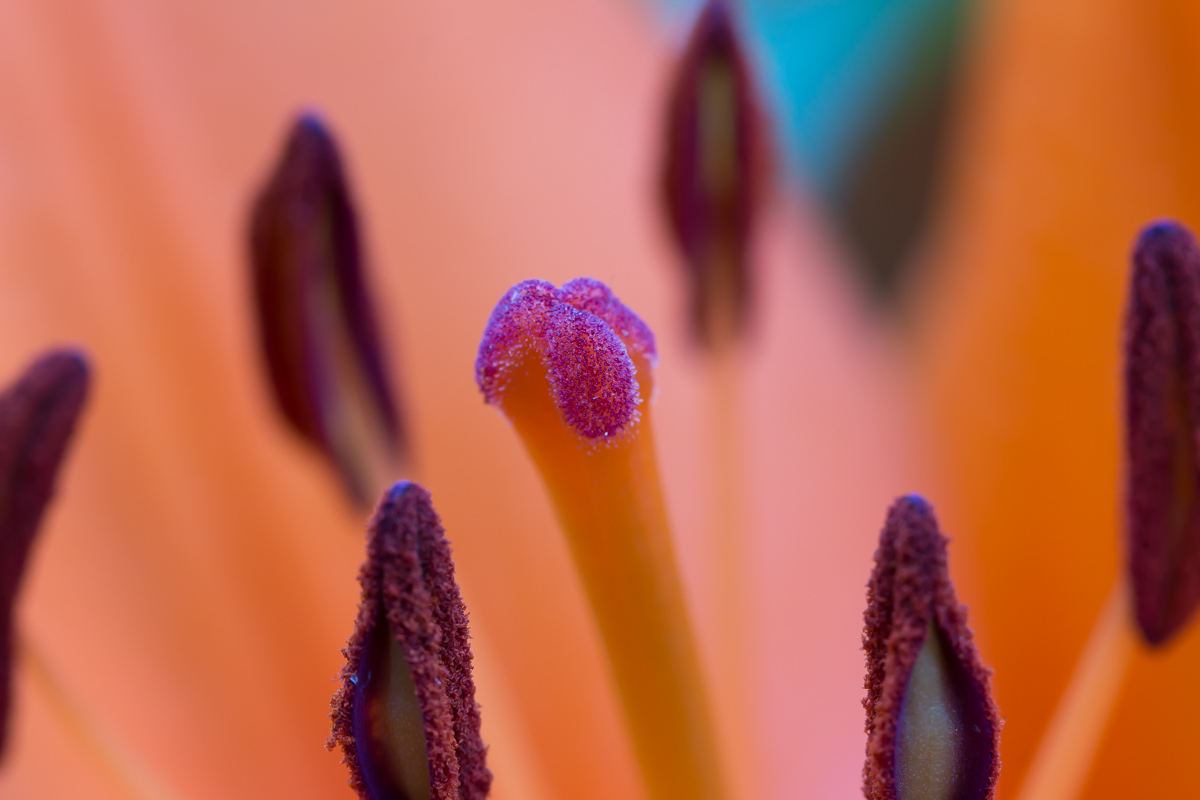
column 38, row 414
column 1162, row 422
column 319, row 334
column 933, row 730
column 713, row 160
column 405, row 715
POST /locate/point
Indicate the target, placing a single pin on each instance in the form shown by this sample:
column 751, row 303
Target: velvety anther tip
column 405, row 716
column 582, row 335
column 316, row 322
column 38, row 415
column 1162, row 422
column 933, row 730
column 714, row 155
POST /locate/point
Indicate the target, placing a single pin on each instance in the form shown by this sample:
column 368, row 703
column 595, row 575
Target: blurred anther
column 405, row 715
column 933, row 731
column 713, row 163
column 317, row 326
column 1162, row 415
column 38, row 414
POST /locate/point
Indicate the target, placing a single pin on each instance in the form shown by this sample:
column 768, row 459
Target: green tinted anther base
column 929, row 743
column 397, row 726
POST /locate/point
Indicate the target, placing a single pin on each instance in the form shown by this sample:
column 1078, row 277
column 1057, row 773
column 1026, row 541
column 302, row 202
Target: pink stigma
column 583, row 334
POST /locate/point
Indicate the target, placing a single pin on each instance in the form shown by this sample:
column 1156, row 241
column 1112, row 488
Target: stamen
column 713, row 159
column 570, row 368
column 1162, row 405
column 933, row 731
column 318, row 329
column 405, row 715
column 38, row 414
column 38, row 417
column 1162, row 536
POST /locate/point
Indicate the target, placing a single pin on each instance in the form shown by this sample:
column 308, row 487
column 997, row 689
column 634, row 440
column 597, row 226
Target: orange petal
column 197, row 578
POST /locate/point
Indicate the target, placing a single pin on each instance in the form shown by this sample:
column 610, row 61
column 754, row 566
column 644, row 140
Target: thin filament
column 101, row 745
column 1064, row 758
column 727, row 509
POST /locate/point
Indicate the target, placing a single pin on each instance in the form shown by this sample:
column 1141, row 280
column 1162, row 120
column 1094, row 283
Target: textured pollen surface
column 909, row 589
column 37, row 418
column 1162, row 404
column 409, row 577
column 583, row 335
